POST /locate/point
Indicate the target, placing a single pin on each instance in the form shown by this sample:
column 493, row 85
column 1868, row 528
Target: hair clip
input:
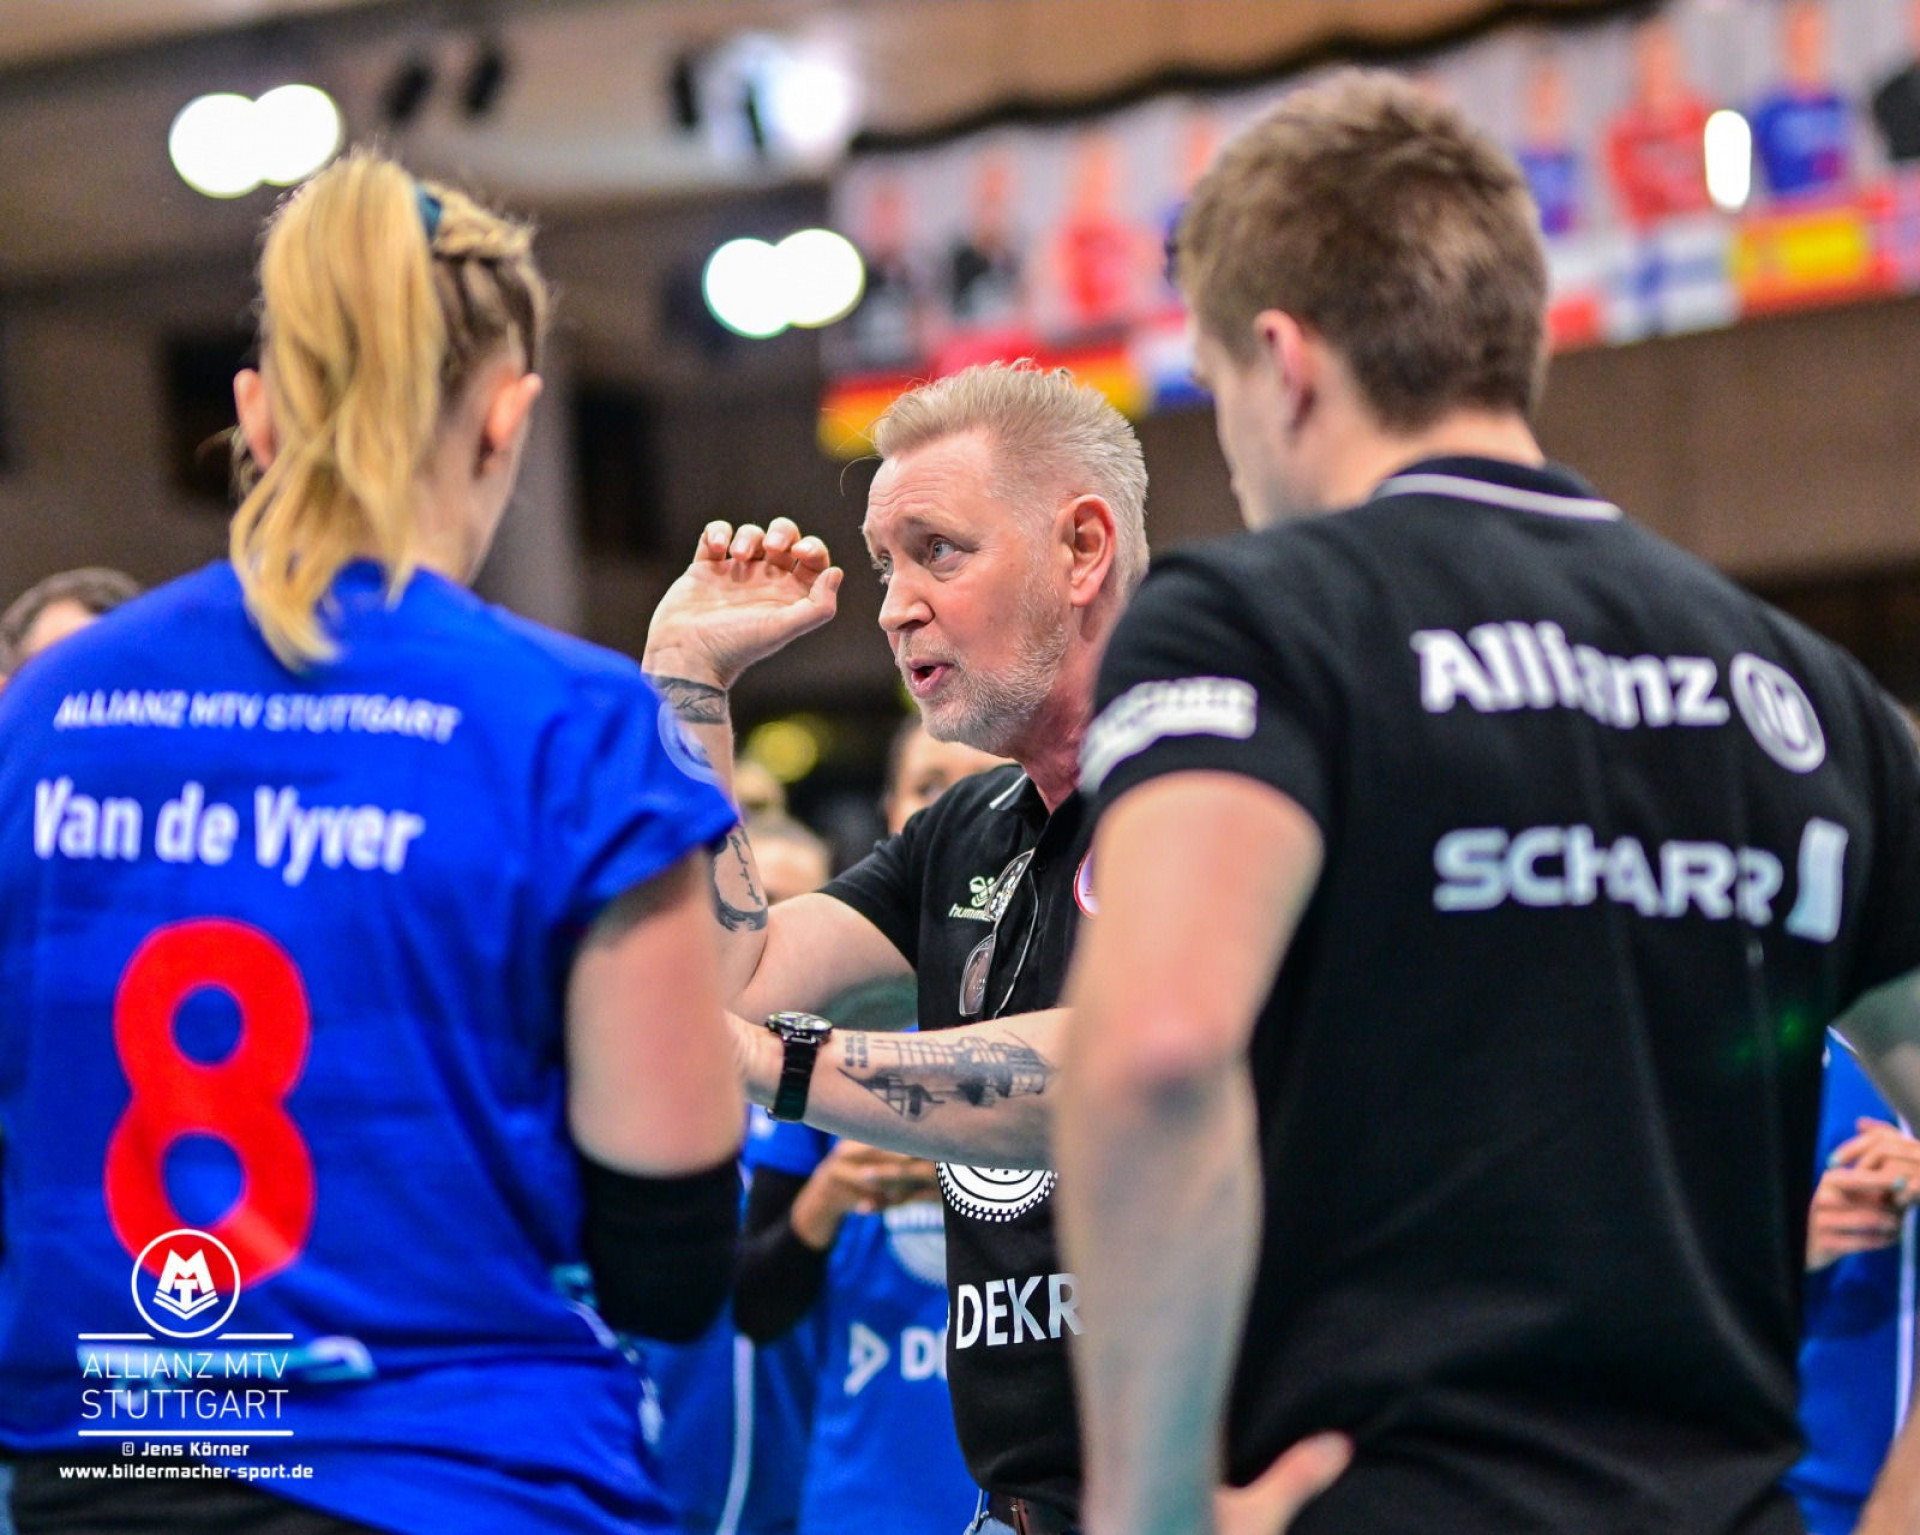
column 429, row 211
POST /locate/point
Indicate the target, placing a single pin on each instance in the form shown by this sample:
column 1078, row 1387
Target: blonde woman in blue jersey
column 362, row 1015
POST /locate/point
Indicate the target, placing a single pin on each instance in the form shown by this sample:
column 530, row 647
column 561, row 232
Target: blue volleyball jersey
column 284, row 959
column 725, row 1424
column 1856, row 1358
column 884, row 1455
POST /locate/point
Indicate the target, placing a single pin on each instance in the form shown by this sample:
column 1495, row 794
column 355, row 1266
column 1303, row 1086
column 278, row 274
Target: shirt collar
column 1547, row 489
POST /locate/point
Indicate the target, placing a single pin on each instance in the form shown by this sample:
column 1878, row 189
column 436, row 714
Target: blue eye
column 939, row 548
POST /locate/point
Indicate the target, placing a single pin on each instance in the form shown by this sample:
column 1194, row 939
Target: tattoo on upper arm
column 697, row 703
column 753, row 915
column 913, row 1073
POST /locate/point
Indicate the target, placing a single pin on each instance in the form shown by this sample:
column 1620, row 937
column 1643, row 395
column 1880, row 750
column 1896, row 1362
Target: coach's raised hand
column 748, row 593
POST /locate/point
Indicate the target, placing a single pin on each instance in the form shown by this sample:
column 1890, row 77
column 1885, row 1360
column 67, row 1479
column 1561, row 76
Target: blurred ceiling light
column 1729, row 150
column 224, row 145
column 811, row 278
column 823, row 273
column 743, row 288
column 809, row 105
column 769, row 95
column 296, row 130
column 212, row 145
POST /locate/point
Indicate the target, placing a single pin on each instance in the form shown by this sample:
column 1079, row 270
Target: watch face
column 799, row 1025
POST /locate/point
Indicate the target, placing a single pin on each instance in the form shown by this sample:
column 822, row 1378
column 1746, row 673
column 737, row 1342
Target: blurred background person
column 1896, row 101
column 1547, row 154
column 985, row 286
column 56, row 607
column 757, row 791
column 793, row 858
column 1856, row 1356
column 1656, row 144
column 921, row 769
column 1101, row 258
column 1803, row 126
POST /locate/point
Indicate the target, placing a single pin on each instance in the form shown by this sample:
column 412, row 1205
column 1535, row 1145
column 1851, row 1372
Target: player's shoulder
column 513, row 656
column 563, row 655
column 1279, row 581
column 180, row 610
column 187, row 614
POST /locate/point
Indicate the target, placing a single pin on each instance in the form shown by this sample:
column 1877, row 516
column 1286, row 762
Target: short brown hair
column 96, row 588
column 1377, row 216
column 1047, row 433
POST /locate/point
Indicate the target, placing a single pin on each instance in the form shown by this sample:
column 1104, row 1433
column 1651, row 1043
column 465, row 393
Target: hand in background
column 1852, row 1212
column 1268, row 1505
column 1881, row 1147
column 856, row 1179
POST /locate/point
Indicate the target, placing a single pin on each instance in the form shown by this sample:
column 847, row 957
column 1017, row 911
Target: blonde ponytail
column 370, row 323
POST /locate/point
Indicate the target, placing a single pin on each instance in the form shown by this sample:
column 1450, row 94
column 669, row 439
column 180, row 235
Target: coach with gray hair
column 1006, row 526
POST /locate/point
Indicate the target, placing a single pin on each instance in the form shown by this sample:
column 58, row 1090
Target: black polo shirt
column 934, row 891
column 1608, row 841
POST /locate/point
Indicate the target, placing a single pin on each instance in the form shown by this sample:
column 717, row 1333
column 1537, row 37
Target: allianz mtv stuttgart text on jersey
column 1499, row 667
column 79, row 821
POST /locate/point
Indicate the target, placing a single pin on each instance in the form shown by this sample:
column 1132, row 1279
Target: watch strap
column 796, row 1077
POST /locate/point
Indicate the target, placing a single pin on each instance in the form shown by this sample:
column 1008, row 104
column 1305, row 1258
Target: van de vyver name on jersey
column 288, row 835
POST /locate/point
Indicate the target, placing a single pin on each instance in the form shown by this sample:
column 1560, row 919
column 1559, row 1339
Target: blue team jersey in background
column 1856, row 1359
column 284, row 957
column 725, row 1424
column 883, row 1455
column 1804, row 142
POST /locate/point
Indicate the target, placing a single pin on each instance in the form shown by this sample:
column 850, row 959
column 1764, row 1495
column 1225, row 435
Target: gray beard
column 989, row 712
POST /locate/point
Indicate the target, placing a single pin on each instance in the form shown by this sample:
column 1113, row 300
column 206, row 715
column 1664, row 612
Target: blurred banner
column 1694, row 165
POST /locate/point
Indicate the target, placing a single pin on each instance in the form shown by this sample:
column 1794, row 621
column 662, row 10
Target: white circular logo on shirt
column 1779, row 713
column 686, row 753
column 994, row 1193
column 917, row 1238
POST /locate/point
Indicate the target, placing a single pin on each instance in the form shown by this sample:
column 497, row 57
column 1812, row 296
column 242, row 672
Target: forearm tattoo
column 696, row 703
column 733, row 918
column 912, row 1074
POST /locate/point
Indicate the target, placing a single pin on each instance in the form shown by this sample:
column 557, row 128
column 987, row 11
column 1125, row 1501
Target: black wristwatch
column 803, row 1034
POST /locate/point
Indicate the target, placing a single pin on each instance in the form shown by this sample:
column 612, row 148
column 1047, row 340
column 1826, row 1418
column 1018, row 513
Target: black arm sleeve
column 661, row 1251
column 780, row 1276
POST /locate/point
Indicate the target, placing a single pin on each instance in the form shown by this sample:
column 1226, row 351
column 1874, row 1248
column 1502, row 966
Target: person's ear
column 1091, row 542
column 507, row 415
column 255, row 416
column 1293, row 355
